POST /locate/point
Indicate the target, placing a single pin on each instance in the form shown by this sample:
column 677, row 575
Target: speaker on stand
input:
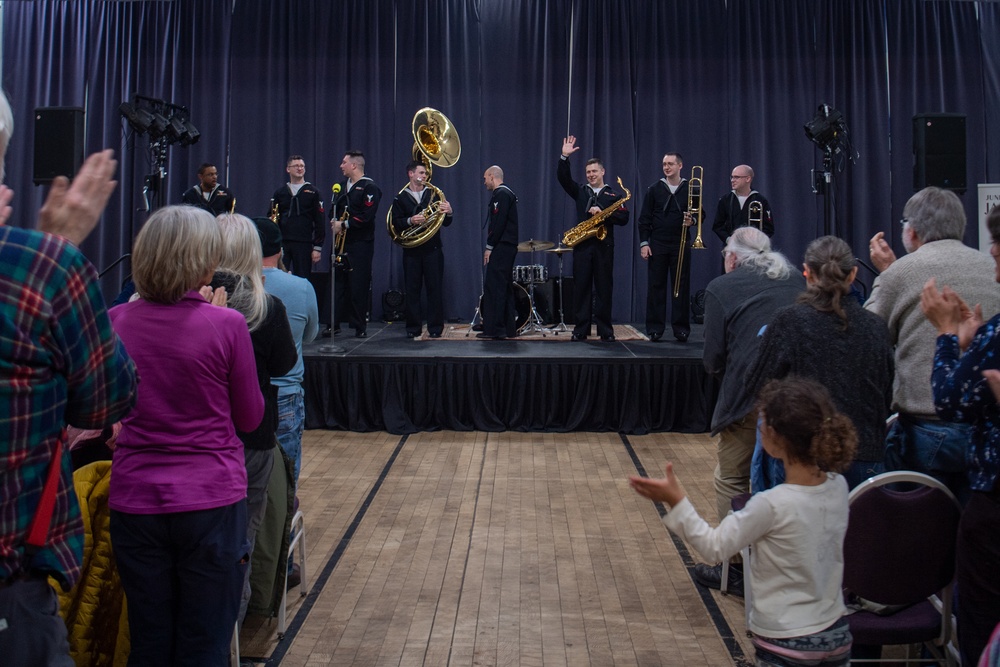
column 939, row 151
column 58, row 143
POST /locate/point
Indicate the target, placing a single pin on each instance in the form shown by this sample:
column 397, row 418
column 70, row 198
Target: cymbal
column 560, row 250
column 533, row 245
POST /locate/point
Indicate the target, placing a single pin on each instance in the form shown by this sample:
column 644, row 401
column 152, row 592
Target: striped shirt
column 60, row 364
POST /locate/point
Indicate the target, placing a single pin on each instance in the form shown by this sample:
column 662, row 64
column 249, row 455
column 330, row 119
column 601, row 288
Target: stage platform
column 388, row 382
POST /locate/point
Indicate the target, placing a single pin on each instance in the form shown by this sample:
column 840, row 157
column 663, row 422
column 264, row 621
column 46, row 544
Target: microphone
column 336, row 189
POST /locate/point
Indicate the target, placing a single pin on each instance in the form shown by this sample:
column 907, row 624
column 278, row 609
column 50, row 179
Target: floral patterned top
column 961, row 394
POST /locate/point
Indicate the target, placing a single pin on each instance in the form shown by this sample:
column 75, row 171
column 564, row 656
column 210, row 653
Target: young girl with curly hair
column 796, row 529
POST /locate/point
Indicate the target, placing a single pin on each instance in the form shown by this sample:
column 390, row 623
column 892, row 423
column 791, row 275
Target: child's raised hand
column 665, row 490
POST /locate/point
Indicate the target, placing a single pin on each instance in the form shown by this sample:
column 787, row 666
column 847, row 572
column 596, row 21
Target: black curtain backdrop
column 723, row 82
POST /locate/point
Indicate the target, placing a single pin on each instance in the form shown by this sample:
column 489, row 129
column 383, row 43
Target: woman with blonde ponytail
column 796, row 528
column 241, row 273
column 829, row 337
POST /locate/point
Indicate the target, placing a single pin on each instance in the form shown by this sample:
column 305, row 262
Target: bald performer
column 734, row 208
column 501, row 250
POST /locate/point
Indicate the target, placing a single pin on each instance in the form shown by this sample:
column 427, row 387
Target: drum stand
column 561, row 327
column 534, row 323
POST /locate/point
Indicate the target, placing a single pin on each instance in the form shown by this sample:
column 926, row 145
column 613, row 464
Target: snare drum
column 535, row 273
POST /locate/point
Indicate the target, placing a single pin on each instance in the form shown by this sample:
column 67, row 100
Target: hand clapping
column 667, row 489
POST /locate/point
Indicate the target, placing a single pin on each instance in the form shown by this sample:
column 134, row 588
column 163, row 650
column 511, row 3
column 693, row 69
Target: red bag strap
column 38, row 533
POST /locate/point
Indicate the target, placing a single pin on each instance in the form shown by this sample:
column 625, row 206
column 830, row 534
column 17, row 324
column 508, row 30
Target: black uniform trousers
column 424, row 268
column 354, row 286
column 498, row 292
column 662, row 270
column 297, row 257
column 593, row 271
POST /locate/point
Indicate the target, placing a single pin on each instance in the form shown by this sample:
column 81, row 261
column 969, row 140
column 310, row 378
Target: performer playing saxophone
column 593, row 259
column 423, row 265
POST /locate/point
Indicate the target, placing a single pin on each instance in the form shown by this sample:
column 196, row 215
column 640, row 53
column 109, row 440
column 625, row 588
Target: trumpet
column 341, row 260
column 694, row 209
column 274, row 212
column 755, row 215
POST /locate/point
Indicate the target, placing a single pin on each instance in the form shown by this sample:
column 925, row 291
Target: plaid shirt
column 60, row 364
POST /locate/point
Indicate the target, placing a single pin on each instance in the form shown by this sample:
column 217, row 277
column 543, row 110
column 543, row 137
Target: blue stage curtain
column 722, row 81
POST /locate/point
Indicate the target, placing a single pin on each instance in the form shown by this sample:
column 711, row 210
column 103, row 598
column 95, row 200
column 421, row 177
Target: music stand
column 559, row 252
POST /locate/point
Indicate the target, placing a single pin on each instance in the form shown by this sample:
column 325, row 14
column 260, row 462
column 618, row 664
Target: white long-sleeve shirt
column 797, row 564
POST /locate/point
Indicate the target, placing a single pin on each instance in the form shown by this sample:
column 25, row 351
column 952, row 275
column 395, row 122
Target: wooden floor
column 499, row 549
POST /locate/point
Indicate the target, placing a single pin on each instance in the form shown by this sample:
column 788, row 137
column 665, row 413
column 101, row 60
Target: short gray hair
column 752, row 248
column 935, row 214
column 176, row 250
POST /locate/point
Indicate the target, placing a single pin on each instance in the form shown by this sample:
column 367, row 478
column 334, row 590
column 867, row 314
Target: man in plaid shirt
column 60, row 364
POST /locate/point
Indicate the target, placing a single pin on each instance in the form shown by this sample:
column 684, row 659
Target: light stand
column 824, row 185
column 828, row 130
column 153, row 187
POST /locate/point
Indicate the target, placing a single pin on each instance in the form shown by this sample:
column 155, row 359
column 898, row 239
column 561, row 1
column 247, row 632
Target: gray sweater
column 895, row 298
column 737, row 305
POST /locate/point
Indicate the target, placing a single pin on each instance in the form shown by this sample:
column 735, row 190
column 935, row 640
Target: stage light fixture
column 825, row 127
column 138, row 119
column 158, row 127
column 175, row 129
column 191, row 134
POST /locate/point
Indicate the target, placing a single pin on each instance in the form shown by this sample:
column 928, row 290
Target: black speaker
column 58, row 143
column 392, row 305
column 939, row 151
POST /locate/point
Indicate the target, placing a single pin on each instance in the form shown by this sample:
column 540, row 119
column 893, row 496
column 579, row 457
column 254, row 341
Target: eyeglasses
column 904, row 222
column 734, row 177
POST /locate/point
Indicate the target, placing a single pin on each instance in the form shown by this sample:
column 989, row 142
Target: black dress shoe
column 436, row 334
column 578, row 336
column 681, row 336
column 489, row 336
column 361, row 334
column 608, row 339
column 655, row 336
column 326, row 333
column 410, row 334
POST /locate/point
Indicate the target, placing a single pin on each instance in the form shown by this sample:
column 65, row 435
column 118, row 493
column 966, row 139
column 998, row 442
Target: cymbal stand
column 534, row 323
column 562, row 302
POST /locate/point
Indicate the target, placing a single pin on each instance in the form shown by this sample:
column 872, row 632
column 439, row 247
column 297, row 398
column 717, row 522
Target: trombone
column 755, row 215
column 694, row 209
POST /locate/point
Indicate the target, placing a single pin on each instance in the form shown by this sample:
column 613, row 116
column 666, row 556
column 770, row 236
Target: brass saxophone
column 594, row 225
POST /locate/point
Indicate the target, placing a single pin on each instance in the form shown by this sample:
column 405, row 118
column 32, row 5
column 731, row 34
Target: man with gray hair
column 933, row 227
column 738, row 305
